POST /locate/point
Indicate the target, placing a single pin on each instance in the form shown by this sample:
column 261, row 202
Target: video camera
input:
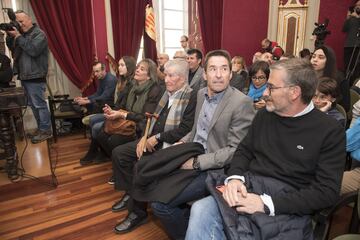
column 354, row 9
column 321, row 32
column 12, row 24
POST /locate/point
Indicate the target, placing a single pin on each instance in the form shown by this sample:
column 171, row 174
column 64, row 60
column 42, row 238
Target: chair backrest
column 356, row 81
column 323, row 219
column 354, row 97
column 343, row 112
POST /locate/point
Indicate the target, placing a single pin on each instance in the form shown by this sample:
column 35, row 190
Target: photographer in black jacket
column 352, row 43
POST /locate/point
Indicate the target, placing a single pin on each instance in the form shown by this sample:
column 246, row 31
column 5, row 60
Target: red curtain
column 101, row 47
column 210, row 17
column 68, row 25
column 128, row 26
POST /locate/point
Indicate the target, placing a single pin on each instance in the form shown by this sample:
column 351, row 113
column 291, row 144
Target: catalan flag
column 150, row 22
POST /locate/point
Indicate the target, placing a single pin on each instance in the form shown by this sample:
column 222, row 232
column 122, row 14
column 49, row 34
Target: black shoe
column 111, row 180
column 131, row 222
column 100, row 158
column 86, row 161
column 91, row 154
column 121, row 204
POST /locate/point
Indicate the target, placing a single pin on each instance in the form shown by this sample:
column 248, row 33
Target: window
column 173, row 17
column 141, row 50
column 173, row 23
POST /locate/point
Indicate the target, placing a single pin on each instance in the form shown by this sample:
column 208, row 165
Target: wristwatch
column 196, row 164
column 157, row 137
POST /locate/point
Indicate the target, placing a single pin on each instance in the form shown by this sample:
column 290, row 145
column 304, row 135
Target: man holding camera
column 29, row 47
column 352, row 42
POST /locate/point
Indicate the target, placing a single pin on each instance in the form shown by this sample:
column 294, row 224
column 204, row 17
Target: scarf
column 256, row 93
column 138, row 96
column 177, row 109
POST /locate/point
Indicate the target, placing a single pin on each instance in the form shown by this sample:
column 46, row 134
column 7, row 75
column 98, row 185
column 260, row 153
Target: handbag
column 120, row 126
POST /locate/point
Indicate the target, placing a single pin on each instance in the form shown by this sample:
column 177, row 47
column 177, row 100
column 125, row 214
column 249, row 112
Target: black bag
column 67, row 106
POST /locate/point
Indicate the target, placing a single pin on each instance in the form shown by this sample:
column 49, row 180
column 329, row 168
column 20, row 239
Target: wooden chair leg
column 53, row 125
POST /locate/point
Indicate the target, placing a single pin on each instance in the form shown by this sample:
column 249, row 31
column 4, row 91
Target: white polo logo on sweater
column 300, row 147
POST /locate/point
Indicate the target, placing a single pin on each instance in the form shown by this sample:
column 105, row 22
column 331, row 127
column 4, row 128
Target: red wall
column 244, row 26
column 335, row 11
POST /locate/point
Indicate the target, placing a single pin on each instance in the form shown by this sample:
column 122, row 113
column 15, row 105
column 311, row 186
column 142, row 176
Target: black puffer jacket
column 259, row 225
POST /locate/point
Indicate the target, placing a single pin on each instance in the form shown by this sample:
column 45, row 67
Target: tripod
column 352, row 67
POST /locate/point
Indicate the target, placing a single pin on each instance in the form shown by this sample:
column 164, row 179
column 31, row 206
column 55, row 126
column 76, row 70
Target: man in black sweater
column 288, row 166
column 175, row 119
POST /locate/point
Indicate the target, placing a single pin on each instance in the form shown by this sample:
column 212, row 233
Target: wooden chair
column 343, row 112
column 322, row 220
column 356, row 81
column 355, row 224
column 57, row 112
column 55, row 103
column 354, row 97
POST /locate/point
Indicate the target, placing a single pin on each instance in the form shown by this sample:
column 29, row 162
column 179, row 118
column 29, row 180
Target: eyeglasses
column 320, row 97
column 271, row 87
column 260, row 78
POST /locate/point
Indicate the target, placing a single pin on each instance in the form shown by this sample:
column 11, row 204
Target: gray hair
column 299, row 72
column 180, row 66
column 180, row 54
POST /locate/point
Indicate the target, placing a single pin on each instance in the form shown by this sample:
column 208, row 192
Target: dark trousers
column 109, row 142
column 175, row 215
column 123, row 160
column 348, row 51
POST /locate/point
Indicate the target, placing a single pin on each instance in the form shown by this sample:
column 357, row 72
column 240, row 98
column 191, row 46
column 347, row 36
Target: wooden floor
column 79, row 208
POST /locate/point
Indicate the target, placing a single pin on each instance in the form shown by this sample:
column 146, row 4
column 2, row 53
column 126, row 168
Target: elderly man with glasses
column 288, row 166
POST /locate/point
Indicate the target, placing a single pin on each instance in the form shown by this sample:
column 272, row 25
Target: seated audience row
column 142, row 96
column 166, row 163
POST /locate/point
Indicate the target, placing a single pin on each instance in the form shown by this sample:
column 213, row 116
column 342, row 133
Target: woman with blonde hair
column 239, row 74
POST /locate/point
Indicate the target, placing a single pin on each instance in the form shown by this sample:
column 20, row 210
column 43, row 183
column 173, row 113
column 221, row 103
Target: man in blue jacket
column 105, row 91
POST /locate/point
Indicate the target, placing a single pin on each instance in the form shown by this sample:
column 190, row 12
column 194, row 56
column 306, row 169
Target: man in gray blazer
column 222, row 118
column 194, row 58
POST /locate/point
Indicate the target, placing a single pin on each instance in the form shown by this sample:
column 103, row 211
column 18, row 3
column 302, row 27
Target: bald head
column 265, row 43
column 162, row 59
column 24, row 20
column 180, row 54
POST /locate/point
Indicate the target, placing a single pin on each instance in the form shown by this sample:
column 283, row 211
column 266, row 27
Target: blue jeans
column 175, row 215
column 205, row 221
column 96, row 123
column 35, row 92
